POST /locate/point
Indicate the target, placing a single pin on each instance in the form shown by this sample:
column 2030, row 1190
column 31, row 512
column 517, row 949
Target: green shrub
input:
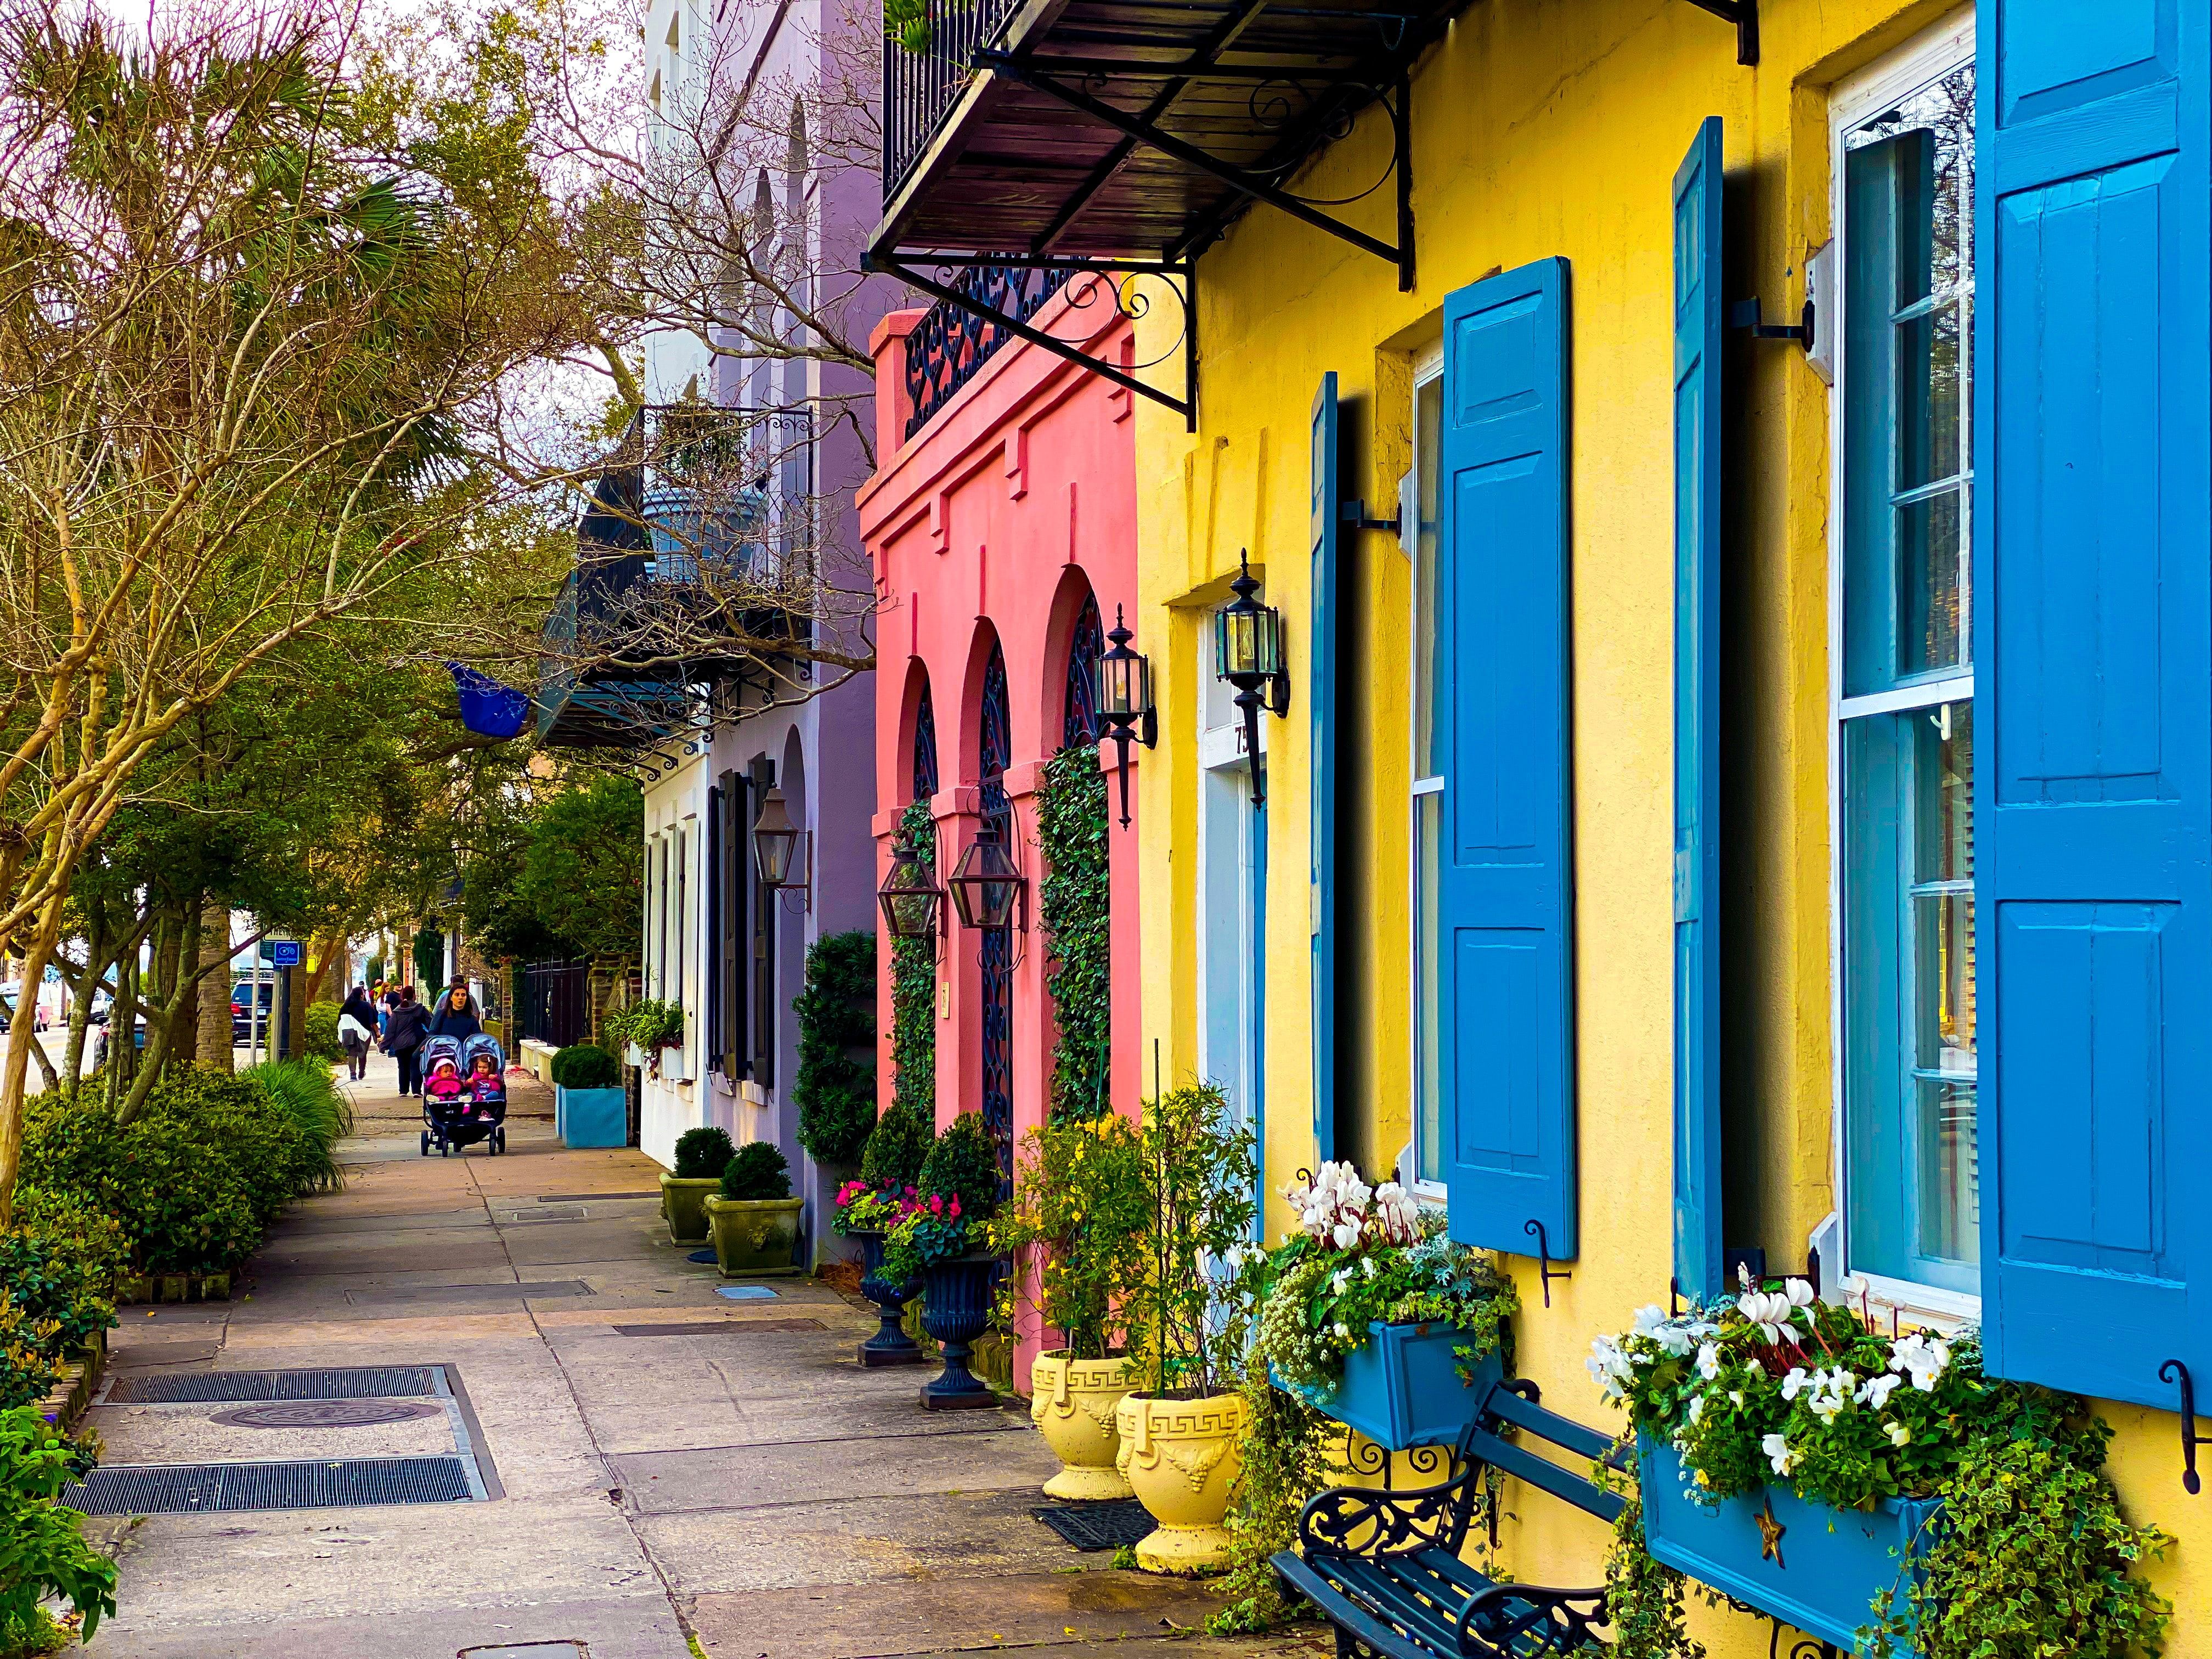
column 963, row 1164
column 586, row 1066
column 650, row 1023
column 703, row 1154
column 306, row 1091
column 895, row 1147
column 836, row 1088
column 318, row 1038
column 756, row 1170
column 58, row 1266
column 42, row 1549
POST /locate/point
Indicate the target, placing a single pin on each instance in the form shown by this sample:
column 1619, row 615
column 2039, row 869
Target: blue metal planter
column 956, row 1310
column 591, row 1117
column 890, row 1345
column 1809, row 1565
column 1401, row 1387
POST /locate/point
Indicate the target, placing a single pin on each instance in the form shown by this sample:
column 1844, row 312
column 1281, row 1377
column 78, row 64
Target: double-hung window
column 1427, row 804
column 1903, row 703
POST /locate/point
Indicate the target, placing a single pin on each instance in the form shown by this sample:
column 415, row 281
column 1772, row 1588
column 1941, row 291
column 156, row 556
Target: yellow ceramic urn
column 1181, row 1457
column 1073, row 1403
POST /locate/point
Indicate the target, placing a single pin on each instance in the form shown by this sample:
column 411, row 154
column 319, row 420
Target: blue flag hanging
column 488, row 707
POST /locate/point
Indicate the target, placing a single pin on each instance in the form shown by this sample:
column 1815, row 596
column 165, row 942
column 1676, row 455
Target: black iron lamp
column 910, row 896
column 777, row 848
column 988, row 887
column 1248, row 653
column 1124, row 681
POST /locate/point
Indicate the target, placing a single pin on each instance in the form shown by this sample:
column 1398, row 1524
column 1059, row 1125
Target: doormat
column 745, row 1292
column 708, row 1256
column 188, row 1488
column 1103, row 1526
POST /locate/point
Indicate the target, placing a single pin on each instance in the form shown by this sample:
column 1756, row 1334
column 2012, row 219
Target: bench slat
column 1579, row 1490
column 1562, row 1431
column 1341, row 1611
column 1400, row 1597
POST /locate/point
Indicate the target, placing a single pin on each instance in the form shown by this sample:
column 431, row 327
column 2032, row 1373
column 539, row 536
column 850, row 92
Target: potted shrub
column 590, row 1107
column 1076, row 1232
column 938, row 1242
column 701, row 1155
column 1859, row 1484
column 754, row 1219
column 1371, row 1315
column 869, row 1208
column 1179, row 1430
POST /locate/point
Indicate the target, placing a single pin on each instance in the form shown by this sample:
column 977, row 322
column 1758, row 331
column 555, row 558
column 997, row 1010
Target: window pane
column 1930, row 594
column 1928, row 401
column 1428, row 1138
column 1428, row 427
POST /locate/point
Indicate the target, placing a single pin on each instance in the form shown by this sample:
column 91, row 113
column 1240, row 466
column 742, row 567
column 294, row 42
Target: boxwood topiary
column 756, row 1171
column 963, row 1164
column 895, row 1147
column 586, row 1066
column 704, row 1153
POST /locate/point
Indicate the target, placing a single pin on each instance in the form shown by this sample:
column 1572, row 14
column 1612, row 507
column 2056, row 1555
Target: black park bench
column 1385, row 1568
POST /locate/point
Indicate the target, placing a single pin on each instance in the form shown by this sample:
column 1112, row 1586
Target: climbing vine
column 1074, row 910
column 914, row 989
column 835, row 1089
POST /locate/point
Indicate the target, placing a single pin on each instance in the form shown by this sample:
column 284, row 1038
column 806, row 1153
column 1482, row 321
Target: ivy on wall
column 836, row 1088
column 1073, row 910
column 914, row 989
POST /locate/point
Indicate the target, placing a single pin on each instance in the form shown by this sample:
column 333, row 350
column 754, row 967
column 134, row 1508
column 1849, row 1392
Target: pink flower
column 956, row 1208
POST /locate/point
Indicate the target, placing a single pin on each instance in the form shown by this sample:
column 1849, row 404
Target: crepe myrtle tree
column 258, row 312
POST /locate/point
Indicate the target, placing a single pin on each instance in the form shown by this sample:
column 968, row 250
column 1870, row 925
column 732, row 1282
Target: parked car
column 242, row 1009
column 10, row 995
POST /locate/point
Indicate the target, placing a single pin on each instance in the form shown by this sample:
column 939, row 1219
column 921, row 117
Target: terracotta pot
column 754, row 1236
column 1073, row 1403
column 1181, row 1458
column 684, row 1201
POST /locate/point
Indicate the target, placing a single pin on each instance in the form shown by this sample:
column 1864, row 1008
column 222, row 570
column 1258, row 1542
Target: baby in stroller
column 464, row 1094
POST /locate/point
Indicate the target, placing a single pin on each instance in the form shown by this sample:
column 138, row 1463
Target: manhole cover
column 327, row 1413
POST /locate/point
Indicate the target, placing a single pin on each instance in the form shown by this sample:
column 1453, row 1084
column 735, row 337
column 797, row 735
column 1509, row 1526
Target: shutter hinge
column 1745, row 314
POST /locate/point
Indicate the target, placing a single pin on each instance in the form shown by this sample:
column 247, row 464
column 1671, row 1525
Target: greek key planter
column 1073, row 1402
column 1401, row 1387
column 1811, row 1566
column 1181, row 1458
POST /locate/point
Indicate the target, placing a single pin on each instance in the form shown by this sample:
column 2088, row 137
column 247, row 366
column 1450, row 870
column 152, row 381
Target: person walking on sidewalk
column 457, row 1011
column 403, row 1037
column 356, row 1030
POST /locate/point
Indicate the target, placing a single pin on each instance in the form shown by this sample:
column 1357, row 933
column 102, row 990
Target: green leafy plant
column 2031, row 1557
column 931, row 1229
column 896, row 1146
column 861, row 1208
column 914, row 992
column 319, row 1031
column 704, row 1153
column 1285, row 1451
column 651, row 1024
column 1079, row 1212
column 963, row 1164
column 42, row 1548
column 306, row 1091
column 907, row 21
column 586, row 1066
column 756, row 1171
column 1188, row 1319
column 1075, row 912
column 836, row 1088
column 56, row 1274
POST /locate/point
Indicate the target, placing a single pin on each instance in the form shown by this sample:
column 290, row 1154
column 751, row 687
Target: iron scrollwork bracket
column 2174, row 1372
column 1544, row 1270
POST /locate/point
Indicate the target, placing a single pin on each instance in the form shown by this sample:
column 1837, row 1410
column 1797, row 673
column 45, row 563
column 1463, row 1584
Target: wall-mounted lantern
column 911, row 899
column 1248, row 653
column 782, row 850
column 1125, row 701
column 988, row 889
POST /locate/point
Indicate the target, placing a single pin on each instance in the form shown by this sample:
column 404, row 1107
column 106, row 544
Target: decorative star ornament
column 1769, row 1533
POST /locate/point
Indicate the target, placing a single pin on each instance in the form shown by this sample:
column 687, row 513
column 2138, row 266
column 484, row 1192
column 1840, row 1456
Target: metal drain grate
column 205, row 1388
column 716, row 1327
column 1106, row 1526
column 189, row 1488
column 601, row 1198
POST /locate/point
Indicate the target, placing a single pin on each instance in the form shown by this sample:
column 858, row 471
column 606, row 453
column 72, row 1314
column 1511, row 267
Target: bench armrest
column 1516, row 1620
column 1362, row 1521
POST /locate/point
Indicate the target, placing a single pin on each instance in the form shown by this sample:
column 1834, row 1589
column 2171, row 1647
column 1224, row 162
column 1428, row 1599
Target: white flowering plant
column 1362, row 1255
column 1774, row 1384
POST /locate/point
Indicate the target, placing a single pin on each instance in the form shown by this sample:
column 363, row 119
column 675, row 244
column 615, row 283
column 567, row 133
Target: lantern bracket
column 1354, row 517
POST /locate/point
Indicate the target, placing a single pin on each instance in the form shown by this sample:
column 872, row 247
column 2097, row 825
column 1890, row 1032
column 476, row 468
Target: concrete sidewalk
column 673, row 1473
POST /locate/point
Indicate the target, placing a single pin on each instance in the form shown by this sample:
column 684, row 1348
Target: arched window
column 924, row 782
column 1085, row 645
column 995, row 753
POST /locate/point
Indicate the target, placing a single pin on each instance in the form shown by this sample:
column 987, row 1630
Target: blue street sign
column 284, row 953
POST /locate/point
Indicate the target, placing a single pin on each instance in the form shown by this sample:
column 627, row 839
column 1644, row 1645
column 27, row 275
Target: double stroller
column 464, row 1094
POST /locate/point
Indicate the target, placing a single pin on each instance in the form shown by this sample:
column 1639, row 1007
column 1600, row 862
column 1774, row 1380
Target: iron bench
column 1384, row 1567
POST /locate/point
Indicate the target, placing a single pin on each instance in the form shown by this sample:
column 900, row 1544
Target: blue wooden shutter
column 1321, row 699
column 1697, row 713
column 2093, row 641
column 1506, row 885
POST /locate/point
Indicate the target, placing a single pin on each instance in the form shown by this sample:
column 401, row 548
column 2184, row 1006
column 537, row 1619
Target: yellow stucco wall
column 1541, row 128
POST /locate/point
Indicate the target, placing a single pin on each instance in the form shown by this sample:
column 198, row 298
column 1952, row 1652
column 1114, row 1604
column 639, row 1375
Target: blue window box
column 591, row 1117
column 1401, row 1387
column 1826, row 1567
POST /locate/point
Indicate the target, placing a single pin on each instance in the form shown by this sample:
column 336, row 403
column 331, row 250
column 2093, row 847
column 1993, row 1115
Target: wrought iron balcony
column 921, row 85
column 954, row 340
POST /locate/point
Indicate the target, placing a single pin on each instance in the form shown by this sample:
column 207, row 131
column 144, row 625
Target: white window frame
column 1428, row 367
column 1905, row 69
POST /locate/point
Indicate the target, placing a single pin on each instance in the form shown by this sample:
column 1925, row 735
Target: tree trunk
column 13, row 1070
column 215, row 1040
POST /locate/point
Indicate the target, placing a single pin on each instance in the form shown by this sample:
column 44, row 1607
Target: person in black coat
column 403, row 1039
column 456, row 1013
